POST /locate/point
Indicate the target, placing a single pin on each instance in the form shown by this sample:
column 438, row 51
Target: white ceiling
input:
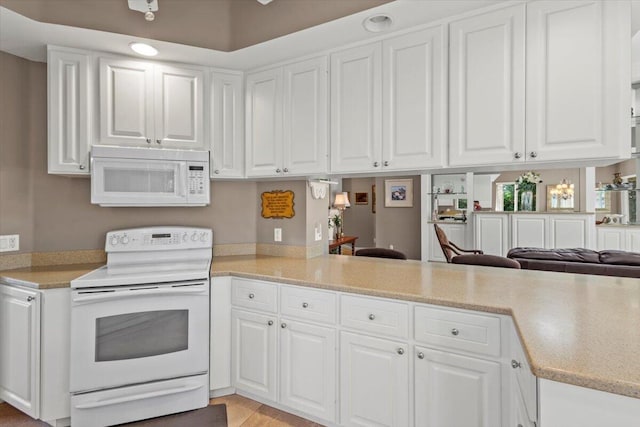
column 27, row 38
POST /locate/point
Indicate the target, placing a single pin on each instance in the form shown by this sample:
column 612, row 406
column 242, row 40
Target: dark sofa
column 583, row 261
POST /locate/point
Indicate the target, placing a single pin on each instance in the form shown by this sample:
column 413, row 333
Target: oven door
column 135, row 334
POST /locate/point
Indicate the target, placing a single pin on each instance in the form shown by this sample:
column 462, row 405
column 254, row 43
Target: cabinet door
column 486, row 106
column 356, row 111
column 227, row 125
column 374, row 382
column 305, row 117
column 308, row 368
column 577, row 80
column 69, row 118
column 492, row 234
column 529, row 231
column 264, row 123
column 414, row 117
column 253, row 342
column 633, row 240
column 126, row 102
column 20, row 349
column 612, row 238
column 571, row 231
column 179, row 107
column 453, row 390
column 455, row 233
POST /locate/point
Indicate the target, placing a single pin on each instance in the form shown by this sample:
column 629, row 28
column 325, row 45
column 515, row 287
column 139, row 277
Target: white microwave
column 128, row 176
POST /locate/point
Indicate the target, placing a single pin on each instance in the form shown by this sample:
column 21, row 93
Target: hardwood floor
column 241, row 412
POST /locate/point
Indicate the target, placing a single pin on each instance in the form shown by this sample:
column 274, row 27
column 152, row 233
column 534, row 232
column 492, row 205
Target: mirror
column 558, row 200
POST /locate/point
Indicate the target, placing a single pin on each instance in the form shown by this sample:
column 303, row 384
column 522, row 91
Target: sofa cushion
column 619, row 257
column 487, row 260
column 564, row 255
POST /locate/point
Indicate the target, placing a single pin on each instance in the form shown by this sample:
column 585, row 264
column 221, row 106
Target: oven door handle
column 101, row 296
column 141, row 396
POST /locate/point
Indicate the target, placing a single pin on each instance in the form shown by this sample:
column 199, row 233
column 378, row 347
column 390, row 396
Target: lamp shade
column 341, row 200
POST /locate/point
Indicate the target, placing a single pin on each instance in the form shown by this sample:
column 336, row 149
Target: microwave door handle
column 101, row 296
column 141, row 396
column 182, row 179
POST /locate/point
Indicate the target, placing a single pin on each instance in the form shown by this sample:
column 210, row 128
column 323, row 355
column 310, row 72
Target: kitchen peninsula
column 576, row 330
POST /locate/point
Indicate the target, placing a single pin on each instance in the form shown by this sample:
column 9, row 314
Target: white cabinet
column 456, row 233
column 454, row 390
column 286, row 120
column 34, row 351
column 146, row 104
column 553, row 231
column 388, row 104
column 632, row 239
column 492, row 233
column 487, row 88
column 308, row 368
column 254, row 353
column 374, row 381
column 529, row 231
column 620, row 238
column 577, row 79
column 69, row 119
column 226, row 125
column 220, row 340
column 20, row 349
column 414, row 117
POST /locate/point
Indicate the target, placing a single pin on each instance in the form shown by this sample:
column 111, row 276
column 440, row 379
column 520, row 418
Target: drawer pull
column 251, row 296
column 305, row 305
column 455, row 332
column 400, row 351
column 372, row 316
column 421, row 355
column 270, row 322
column 515, row 364
column 30, row 298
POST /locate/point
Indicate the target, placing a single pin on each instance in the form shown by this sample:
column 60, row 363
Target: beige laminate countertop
column 577, row 329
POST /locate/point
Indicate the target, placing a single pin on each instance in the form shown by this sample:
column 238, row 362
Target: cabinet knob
column 515, row 364
column 421, row 355
column 372, row 316
column 81, row 167
column 158, row 141
column 386, row 163
column 285, row 170
column 533, row 154
column 305, row 305
column 517, row 155
column 251, row 296
column 400, row 351
column 519, row 425
column 217, row 171
column 376, row 164
column 283, row 325
column 270, row 322
column 455, row 332
column 278, row 170
column 30, row 298
column 148, row 140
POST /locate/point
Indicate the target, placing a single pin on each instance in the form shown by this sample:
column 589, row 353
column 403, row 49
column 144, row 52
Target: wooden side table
column 344, row 240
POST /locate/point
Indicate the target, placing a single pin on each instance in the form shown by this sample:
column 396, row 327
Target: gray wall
column 359, row 219
column 293, row 229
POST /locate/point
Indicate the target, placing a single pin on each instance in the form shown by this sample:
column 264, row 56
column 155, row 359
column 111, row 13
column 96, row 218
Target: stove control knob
column 203, row 237
column 114, row 240
column 185, row 237
column 194, row 237
column 124, row 240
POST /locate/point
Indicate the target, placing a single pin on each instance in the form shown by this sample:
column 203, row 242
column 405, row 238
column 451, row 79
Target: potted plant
column 527, row 184
column 337, row 224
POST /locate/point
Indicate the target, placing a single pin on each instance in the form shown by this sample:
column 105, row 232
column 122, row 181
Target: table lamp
column 341, row 202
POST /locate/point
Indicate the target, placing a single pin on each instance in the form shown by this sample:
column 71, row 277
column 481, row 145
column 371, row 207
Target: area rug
column 212, row 415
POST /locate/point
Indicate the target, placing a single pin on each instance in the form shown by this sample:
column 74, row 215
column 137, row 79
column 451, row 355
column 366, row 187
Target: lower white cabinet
column 620, row 238
column 308, row 368
column 254, row 347
column 34, row 351
column 456, row 233
column 492, row 233
column 374, row 382
column 453, row 390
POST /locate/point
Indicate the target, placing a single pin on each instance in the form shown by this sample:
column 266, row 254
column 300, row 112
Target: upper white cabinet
column 577, row 79
column 286, row 120
column 487, row 88
column 69, row 132
column 388, row 104
column 144, row 104
column 226, row 124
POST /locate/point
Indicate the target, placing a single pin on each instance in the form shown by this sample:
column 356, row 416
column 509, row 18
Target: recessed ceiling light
column 143, row 49
column 377, row 23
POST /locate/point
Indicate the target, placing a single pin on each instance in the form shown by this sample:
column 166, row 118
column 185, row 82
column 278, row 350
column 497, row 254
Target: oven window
column 135, row 335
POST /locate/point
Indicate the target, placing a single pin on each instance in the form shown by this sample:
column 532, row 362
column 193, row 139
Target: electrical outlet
column 277, row 234
column 10, row 242
column 318, row 230
column 390, row 246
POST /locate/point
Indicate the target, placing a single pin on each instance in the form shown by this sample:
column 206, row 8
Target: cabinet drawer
column 524, row 378
column 254, row 295
column 308, row 304
column 376, row 316
column 456, row 330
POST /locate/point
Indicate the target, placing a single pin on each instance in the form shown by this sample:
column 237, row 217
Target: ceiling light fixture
column 264, row 2
column 143, row 49
column 377, row 23
column 145, row 6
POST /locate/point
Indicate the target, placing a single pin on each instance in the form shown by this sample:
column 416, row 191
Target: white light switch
column 318, row 230
column 10, row 242
column 277, row 234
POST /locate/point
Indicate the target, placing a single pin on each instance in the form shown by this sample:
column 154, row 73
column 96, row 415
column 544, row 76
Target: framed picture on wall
column 362, row 198
column 398, row 193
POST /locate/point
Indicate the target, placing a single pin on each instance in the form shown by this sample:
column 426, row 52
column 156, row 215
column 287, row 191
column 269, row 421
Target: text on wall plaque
column 277, row 204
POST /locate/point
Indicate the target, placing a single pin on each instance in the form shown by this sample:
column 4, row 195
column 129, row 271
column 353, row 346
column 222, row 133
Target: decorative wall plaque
column 277, row 204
